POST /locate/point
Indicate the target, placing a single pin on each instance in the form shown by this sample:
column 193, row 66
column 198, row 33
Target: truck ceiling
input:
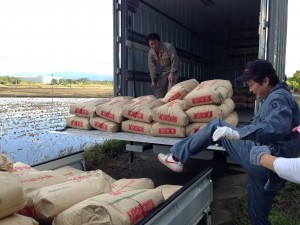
column 234, row 14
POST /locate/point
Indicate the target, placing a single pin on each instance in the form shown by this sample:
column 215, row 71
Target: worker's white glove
column 226, row 132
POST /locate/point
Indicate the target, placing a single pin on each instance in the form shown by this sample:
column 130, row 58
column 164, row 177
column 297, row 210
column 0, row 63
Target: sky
column 76, row 35
column 68, row 35
column 293, row 37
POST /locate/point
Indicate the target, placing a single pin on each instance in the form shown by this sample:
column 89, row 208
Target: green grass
column 109, row 155
column 285, row 211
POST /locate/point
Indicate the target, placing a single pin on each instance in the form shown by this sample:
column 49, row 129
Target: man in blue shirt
column 271, row 126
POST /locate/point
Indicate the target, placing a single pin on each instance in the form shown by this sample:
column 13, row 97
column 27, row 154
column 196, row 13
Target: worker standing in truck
column 165, row 55
column 271, row 126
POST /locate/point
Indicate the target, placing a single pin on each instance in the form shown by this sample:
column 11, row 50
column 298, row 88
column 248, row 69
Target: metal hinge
column 265, row 24
column 119, row 39
column 118, row 7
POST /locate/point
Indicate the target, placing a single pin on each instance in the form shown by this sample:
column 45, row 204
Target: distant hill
column 66, row 75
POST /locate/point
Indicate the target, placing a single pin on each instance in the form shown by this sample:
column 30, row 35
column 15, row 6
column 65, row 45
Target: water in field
column 25, row 124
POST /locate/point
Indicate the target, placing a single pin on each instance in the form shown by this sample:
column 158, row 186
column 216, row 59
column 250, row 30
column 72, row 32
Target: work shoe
column 168, row 161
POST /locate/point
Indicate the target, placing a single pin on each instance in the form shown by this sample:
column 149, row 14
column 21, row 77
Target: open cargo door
column 273, row 33
column 214, row 38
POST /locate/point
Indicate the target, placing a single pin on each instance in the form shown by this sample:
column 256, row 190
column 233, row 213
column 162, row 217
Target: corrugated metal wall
column 195, row 53
column 276, row 50
column 212, row 41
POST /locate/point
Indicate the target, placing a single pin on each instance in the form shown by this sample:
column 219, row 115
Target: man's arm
column 267, row 161
column 275, row 125
column 152, row 69
column 174, row 63
column 288, row 168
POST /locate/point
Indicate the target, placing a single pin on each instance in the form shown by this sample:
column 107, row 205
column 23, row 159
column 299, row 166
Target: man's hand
column 171, row 77
column 226, row 132
column 257, row 152
column 154, row 79
column 153, row 85
column 296, row 129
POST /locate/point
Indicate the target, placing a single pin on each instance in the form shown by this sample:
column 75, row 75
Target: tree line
column 294, row 82
column 8, row 80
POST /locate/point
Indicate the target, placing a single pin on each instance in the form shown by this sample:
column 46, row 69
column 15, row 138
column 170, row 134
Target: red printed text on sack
column 206, row 98
column 138, row 212
column 135, row 214
column 167, row 130
column 17, row 168
column 101, row 126
column 135, row 114
column 169, row 118
column 202, row 115
column 82, row 111
column 34, row 179
column 136, row 128
column 77, row 123
column 107, row 114
column 148, row 205
column 175, row 96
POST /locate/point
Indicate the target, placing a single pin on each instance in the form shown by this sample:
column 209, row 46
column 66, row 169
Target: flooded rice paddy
column 25, row 124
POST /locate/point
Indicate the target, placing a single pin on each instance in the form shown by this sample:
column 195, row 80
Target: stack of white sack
column 129, row 201
column 138, row 113
column 119, row 208
column 12, row 195
column 180, row 90
column 209, row 100
column 109, row 117
column 49, row 201
column 243, row 98
column 171, row 119
column 62, row 196
column 52, row 191
column 186, row 108
column 31, row 180
column 83, row 112
column 47, row 193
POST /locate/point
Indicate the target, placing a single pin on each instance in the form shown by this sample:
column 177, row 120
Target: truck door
column 272, row 33
column 214, row 40
column 133, row 21
column 129, row 47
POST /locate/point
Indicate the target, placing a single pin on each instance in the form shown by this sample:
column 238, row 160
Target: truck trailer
column 214, row 39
